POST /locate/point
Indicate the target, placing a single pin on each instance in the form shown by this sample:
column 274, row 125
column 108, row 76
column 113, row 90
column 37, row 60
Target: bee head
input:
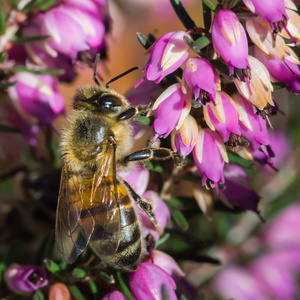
column 99, row 99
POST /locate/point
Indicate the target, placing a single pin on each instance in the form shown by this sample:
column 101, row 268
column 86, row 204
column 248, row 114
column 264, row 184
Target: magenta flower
column 273, row 11
column 148, row 280
column 238, row 188
column 209, row 155
column 167, row 263
column 282, row 71
column 222, row 116
column 22, row 279
column 115, row 295
column 202, row 79
column 184, row 139
column 253, row 126
column 161, row 212
column 230, row 41
column 171, row 108
column 36, row 96
column 168, row 54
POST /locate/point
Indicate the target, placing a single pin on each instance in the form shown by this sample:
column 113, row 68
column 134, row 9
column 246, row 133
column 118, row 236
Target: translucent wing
column 87, row 211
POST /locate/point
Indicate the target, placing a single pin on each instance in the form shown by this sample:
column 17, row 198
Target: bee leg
column 132, row 112
column 144, row 206
column 148, row 154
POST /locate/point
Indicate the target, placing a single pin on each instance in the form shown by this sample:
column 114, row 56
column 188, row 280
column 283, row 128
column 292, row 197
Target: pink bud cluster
column 204, row 115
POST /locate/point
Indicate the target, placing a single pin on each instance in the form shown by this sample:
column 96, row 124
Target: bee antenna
column 95, row 69
column 121, row 75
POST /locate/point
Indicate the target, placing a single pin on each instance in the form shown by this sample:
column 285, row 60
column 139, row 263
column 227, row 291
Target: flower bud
column 59, row 291
column 148, row 280
column 27, row 278
column 115, row 295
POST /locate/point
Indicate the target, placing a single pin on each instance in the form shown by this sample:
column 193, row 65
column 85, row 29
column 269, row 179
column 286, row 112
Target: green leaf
column 46, row 4
column 143, row 40
column 236, row 159
column 182, row 14
column 94, row 288
column 180, row 219
column 106, row 277
column 5, row 128
column 143, row 120
column 38, row 295
column 51, row 266
column 76, row 293
column 163, row 239
column 150, row 166
column 2, row 21
column 202, row 42
column 79, row 273
column 51, row 72
column 7, row 84
column 27, row 39
column 209, row 4
column 124, row 287
column 222, row 68
column 206, row 16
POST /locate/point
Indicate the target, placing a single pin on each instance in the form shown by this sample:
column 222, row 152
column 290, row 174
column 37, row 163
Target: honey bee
column 95, row 206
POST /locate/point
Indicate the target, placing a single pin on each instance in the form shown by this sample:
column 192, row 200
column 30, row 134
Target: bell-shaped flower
column 282, row 71
column 161, row 212
column 171, row 108
column 148, row 281
column 209, row 155
column 239, row 191
column 260, row 33
column 115, row 295
column 202, row 79
column 230, row 41
column 222, row 116
column 273, row 11
column 59, row 291
column 26, row 278
column 167, row 54
column 36, row 96
column 184, row 139
column 253, row 126
column 167, row 263
column 259, row 90
column 293, row 25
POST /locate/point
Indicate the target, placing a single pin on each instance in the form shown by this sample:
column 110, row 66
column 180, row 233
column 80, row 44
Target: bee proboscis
column 95, row 205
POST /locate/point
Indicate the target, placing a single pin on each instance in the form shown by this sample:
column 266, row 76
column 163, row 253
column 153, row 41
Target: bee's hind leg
column 144, row 206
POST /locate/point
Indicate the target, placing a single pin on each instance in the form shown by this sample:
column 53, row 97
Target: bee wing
column 105, row 206
column 71, row 235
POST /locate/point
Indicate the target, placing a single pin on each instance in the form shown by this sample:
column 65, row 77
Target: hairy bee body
column 94, row 206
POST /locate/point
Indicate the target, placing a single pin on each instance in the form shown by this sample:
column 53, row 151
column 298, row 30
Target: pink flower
column 36, row 96
column 161, row 212
column 209, row 155
column 22, row 279
column 167, row 55
column 272, row 11
column 115, row 295
column 230, row 41
column 282, row 71
column 59, row 291
column 222, row 116
column 202, row 79
column 148, row 280
column 184, row 139
column 171, row 108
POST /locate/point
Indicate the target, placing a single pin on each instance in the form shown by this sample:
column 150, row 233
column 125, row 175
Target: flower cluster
column 203, row 112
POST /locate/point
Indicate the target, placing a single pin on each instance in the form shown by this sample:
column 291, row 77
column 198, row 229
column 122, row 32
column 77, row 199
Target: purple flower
column 36, row 96
column 161, row 212
column 253, row 126
column 115, row 295
column 230, row 41
column 22, row 279
column 282, row 71
column 148, row 280
column 184, row 139
column 167, row 263
column 167, row 55
column 209, row 155
column 202, row 79
column 171, row 108
column 273, row 11
column 238, row 188
column 222, row 116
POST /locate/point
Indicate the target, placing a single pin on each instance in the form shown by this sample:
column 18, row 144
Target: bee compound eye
column 109, row 102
